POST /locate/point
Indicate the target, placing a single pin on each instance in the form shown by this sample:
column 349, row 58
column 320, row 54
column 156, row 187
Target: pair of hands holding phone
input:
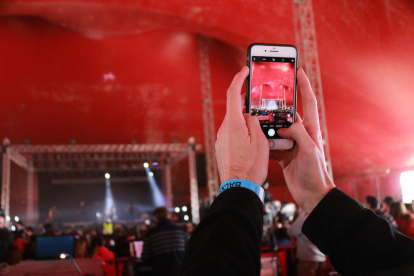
column 242, row 150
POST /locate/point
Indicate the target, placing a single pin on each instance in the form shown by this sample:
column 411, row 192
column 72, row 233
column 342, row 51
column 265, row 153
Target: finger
column 243, row 100
column 310, row 108
column 314, row 133
column 253, row 125
column 298, row 118
column 296, row 132
column 234, row 106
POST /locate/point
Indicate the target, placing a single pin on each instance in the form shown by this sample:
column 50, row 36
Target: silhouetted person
column 164, row 245
column 49, row 230
column 403, row 218
column 6, row 240
column 387, row 201
column 373, row 204
column 311, row 261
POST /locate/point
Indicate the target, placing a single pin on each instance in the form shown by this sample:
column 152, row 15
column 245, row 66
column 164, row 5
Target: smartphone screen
column 272, row 93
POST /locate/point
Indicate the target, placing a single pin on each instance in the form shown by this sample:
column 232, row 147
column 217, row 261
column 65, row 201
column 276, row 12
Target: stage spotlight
column 186, row 217
column 107, row 176
column 16, row 219
column 177, row 209
column 13, row 228
column 157, row 196
column 155, row 164
column 63, row 256
column 146, row 165
column 184, row 208
column 8, row 218
column 110, row 209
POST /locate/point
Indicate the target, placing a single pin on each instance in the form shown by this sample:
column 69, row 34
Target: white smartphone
column 272, row 89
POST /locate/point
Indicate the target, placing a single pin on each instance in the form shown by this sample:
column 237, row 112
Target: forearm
column 357, row 241
column 227, row 240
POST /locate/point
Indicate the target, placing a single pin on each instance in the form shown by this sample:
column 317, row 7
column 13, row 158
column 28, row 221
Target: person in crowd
column 281, row 227
column 81, row 249
column 30, row 244
column 121, row 242
column 227, row 240
column 6, row 240
column 403, row 218
column 101, row 251
column 20, row 241
column 164, row 245
column 386, row 202
column 189, row 228
column 373, row 204
column 311, row 261
column 49, row 230
column 130, row 211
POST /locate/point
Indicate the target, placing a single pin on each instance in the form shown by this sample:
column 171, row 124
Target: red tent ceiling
column 106, row 72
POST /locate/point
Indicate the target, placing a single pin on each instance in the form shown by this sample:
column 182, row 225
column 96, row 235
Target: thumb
column 296, row 132
column 253, row 126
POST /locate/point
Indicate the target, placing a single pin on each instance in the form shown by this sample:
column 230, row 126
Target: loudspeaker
column 201, row 166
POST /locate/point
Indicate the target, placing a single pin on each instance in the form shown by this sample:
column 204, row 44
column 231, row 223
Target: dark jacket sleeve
column 357, row 241
column 227, row 240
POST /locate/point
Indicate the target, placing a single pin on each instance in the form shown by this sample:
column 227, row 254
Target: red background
column 54, row 55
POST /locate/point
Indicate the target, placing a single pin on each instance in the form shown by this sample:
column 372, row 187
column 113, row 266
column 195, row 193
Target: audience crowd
column 19, row 245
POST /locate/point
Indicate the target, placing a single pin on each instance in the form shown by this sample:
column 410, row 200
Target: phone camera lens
column 265, row 50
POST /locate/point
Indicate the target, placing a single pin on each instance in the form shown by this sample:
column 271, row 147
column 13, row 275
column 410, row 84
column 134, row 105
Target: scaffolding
column 208, row 118
column 84, row 158
column 308, row 51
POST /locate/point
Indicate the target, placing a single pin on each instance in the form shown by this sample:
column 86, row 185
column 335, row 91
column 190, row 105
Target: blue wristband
column 237, row 183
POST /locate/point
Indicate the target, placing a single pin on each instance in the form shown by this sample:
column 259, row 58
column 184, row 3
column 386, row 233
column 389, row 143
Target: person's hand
column 242, row 150
column 304, row 166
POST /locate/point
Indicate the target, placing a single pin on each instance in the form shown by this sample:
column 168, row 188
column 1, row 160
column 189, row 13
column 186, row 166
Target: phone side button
column 271, row 144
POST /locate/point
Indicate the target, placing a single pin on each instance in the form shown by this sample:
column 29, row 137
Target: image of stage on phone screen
column 272, row 92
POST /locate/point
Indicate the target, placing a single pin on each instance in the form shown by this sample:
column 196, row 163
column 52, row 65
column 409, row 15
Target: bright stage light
column 177, row 209
column 107, row 176
column 8, row 218
column 407, row 186
column 155, row 164
column 62, row 256
column 184, row 208
column 13, row 228
column 157, row 196
column 98, row 215
column 186, row 217
column 146, row 165
column 16, row 219
column 110, row 210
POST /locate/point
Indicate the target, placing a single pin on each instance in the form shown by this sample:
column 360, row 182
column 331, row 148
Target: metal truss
column 208, row 118
column 195, row 205
column 96, row 157
column 85, row 158
column 309, row 59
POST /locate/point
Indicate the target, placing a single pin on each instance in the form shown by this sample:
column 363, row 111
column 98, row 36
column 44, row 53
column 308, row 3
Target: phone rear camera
column 265, row 50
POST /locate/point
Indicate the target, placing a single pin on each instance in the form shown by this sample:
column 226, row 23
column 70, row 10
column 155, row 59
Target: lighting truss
column 84, row 158
column 308, row 57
